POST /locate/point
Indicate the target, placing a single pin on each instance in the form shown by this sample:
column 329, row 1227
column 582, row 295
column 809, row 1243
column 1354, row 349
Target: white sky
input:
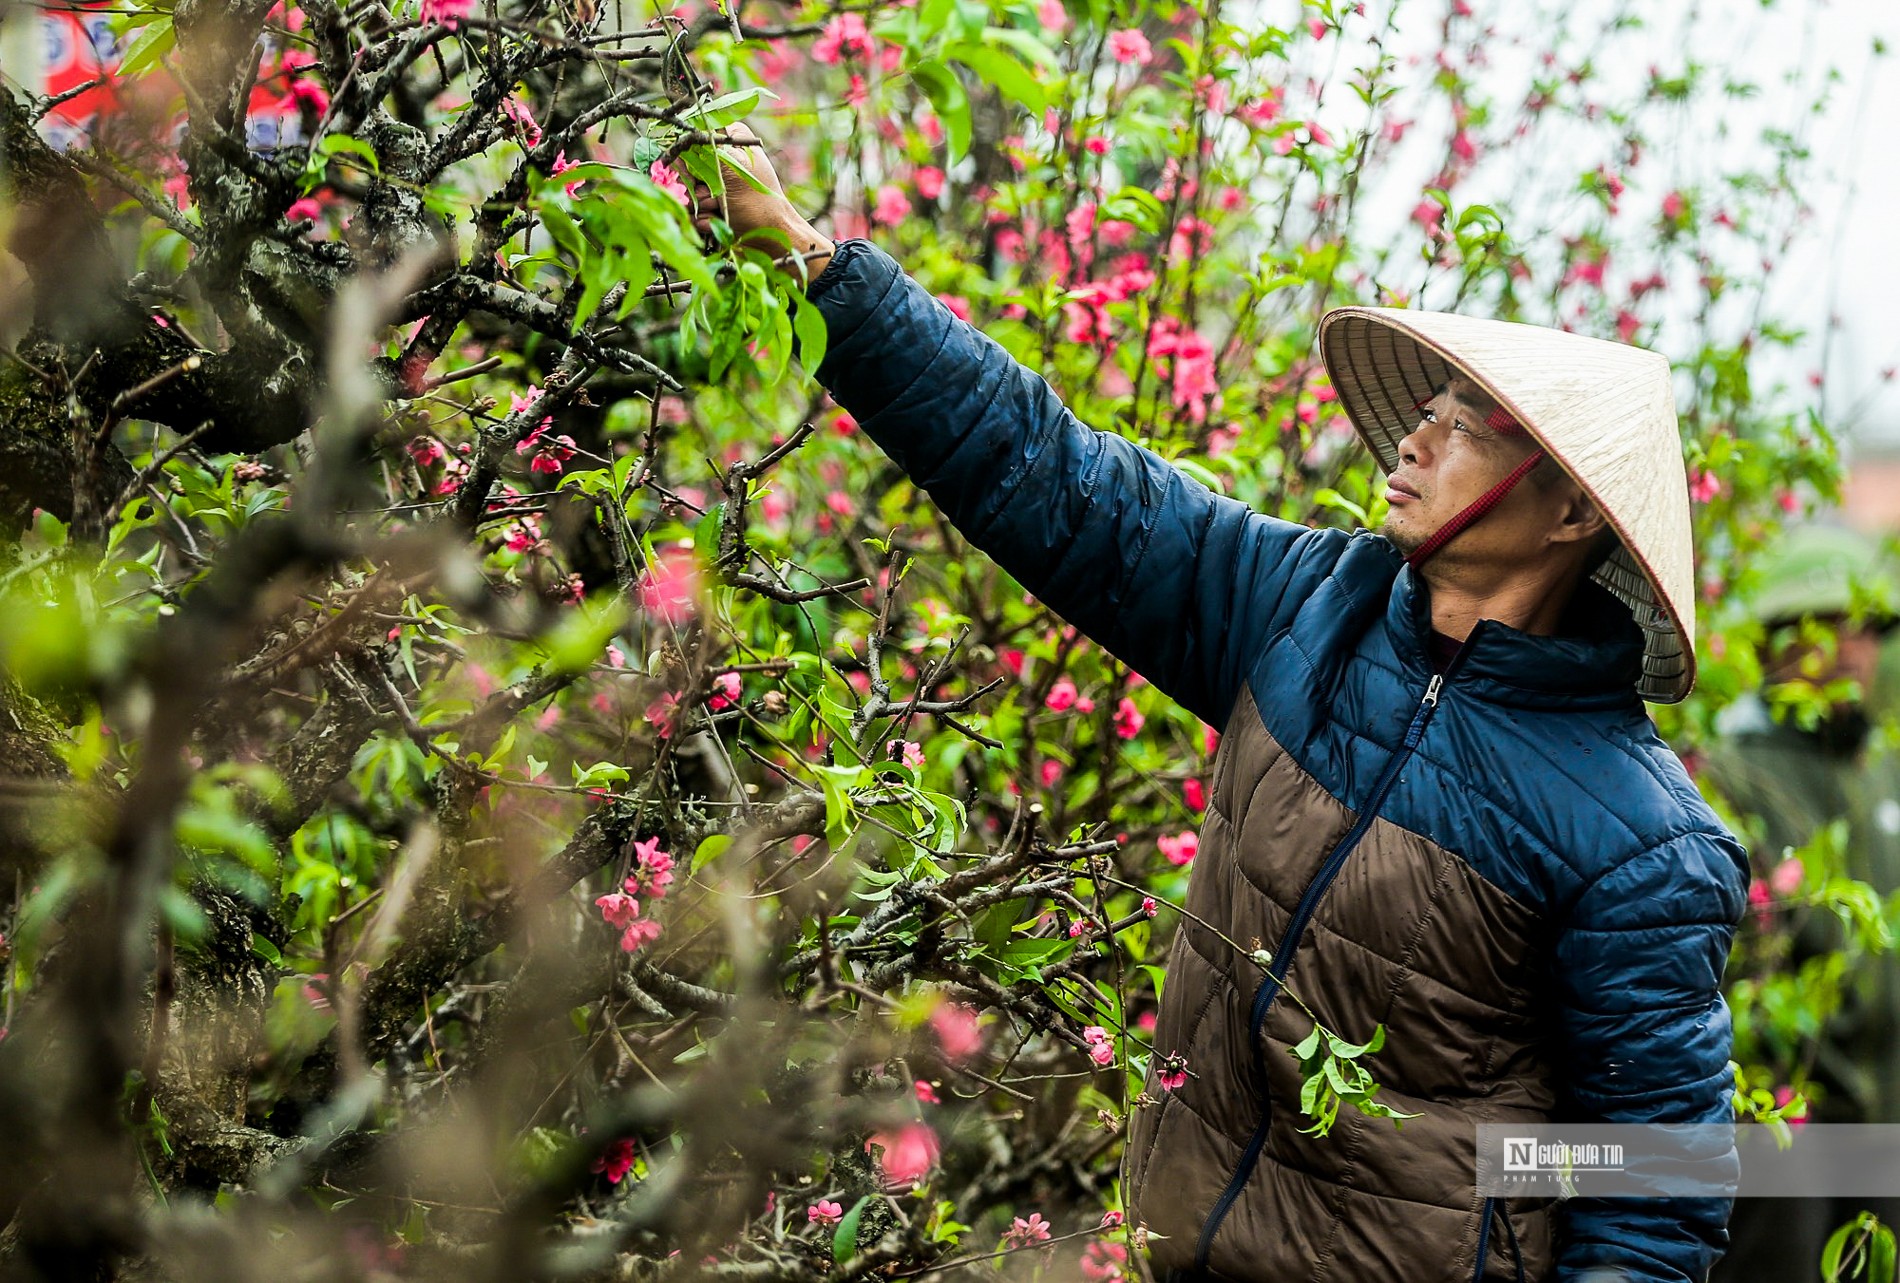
column 1854, row 258
column 1843, row 261
column 1848, row 263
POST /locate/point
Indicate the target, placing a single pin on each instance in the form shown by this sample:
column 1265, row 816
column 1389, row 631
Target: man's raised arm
column 1180, row 583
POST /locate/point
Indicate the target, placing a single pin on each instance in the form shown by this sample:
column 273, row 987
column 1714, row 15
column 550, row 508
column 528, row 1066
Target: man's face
column 1445, row 463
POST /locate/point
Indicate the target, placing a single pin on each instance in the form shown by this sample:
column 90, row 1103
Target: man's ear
column 1578, row 517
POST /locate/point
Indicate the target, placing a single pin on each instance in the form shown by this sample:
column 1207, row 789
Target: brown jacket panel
column 1408, row 936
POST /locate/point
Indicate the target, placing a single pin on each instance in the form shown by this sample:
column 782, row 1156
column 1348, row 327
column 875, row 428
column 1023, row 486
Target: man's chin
column 1400, row 532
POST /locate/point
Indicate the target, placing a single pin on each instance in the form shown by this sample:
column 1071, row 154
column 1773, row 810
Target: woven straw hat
column 1605, row 411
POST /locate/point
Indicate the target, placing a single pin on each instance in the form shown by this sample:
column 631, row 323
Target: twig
column 466, row 372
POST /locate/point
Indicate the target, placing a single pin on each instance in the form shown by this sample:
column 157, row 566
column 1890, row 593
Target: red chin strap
column 1501, row 422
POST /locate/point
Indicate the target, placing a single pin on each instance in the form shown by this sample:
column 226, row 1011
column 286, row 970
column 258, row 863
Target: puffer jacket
column 1503, row 864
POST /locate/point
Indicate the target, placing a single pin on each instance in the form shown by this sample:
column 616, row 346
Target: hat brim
column 1382, row 370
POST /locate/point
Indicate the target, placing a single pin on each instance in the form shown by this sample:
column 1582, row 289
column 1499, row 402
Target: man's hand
column 755, row 214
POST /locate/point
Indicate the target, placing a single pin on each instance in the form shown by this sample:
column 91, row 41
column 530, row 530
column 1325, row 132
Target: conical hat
column 1605, row 411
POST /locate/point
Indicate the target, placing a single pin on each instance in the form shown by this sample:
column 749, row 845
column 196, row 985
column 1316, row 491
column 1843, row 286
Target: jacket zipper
column 1492, row 1206
column 1283, row 955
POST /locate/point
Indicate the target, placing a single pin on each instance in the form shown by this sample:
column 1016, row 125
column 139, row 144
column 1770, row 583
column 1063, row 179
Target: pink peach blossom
column 1130, row 46
column 618, row 908
column 447, row 12
column 666, row 179
column 957, row 1031
column 906, row 1154
column 1181, row 848
column 892, row 206
column 1061, row 697
column 1103, row 1261
column 725, row 691
column 844, row 36
column 1023, row 1233
column 308, row 93
column 639, row 932
column 670, row 585
column 615, row 1161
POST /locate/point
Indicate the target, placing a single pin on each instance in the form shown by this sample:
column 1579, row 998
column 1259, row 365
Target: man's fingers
column 705, row 205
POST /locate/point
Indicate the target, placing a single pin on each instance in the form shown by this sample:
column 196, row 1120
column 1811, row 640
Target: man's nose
column 1409, row 447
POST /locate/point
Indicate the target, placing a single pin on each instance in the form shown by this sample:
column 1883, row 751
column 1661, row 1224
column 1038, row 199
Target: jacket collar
column 1594, row 662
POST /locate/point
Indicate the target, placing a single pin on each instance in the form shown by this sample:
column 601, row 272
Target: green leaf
column 1201, row 473
column 1340, row 1047
column 706, row 534
column 932, row 16
column 1882, row 1263
column 155, row 41
column 1483, row 215
column 993, row 66
column 844, row 1240
column 709, row 849
column 1135, row 205
column 808, row 325
column 599, row 775
column 717, row 113
column 1310, row 1092
column 1027, row 951
column 1025, row 44
column 1831, row 1254
column 181, row 913
column 946, row 94
column 1327, row 497
column 994, row 927
column 564, row 231
column 578, row 641
column 331, row 145
column 839, row 812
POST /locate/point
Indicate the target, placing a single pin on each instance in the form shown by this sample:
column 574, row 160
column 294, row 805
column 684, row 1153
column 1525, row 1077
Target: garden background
column 497, row 777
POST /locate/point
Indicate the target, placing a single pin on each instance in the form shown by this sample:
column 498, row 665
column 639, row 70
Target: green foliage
column 1332, row 1074
column 695, row 607
column 1861, row 1249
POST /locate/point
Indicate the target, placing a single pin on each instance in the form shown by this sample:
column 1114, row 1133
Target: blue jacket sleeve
column 1176, row 581
column 1645, row 1035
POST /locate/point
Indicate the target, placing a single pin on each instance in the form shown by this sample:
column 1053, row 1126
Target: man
column 1438, row 803
column 1796, row 780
